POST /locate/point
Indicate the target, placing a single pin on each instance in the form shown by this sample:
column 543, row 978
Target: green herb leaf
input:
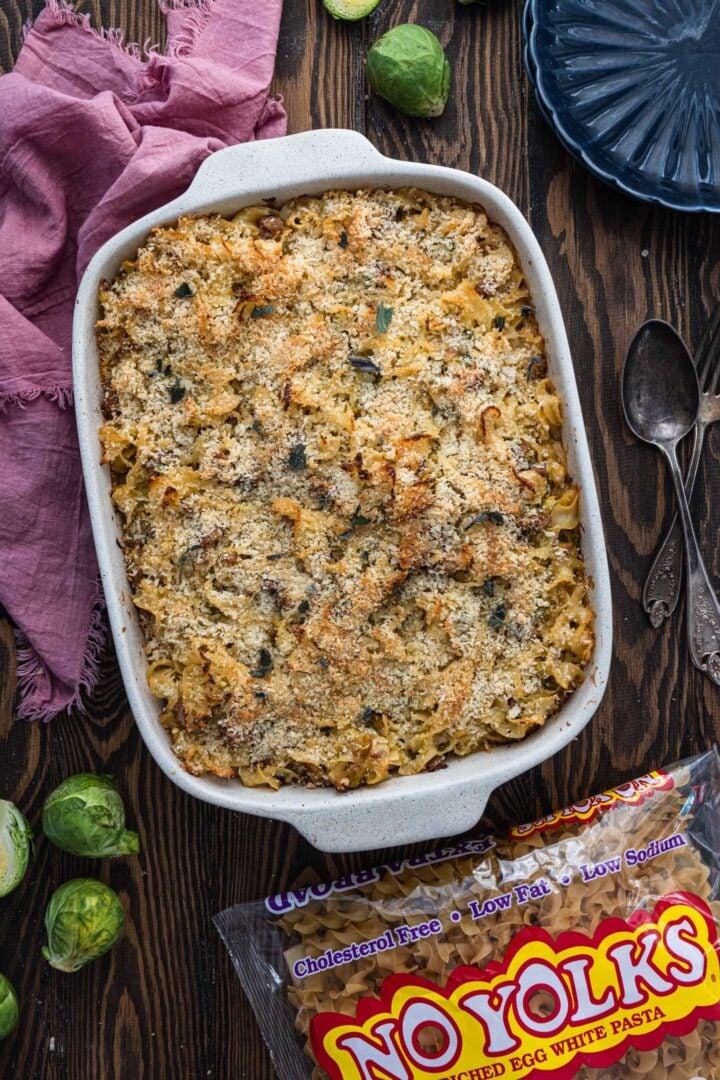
column 261, row 694
column 526, row 311
column 188, row 560
column 303, row 607
column 183, row 291
column 176, row 392
column 261, row 310
column 489, row 587
column 323, row 663
column 497, row 618
column 383, row 318
column 366, row 714
column 345, row 535
column 264, row 667
column 500, row 322
column 343, row 239
column 257, row 426
column 275, row 557
column 487, row 515
column 364, row 364
column 535, row 361
column 359, row 519
column 297, row 460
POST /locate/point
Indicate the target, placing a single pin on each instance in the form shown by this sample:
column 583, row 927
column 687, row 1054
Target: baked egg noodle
column 347, row 518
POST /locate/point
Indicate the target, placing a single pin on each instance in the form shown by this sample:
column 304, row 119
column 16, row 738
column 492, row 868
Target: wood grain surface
column 166, row 1004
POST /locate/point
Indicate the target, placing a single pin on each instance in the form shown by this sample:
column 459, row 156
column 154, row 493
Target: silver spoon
column 662, row 585
column 661, row 399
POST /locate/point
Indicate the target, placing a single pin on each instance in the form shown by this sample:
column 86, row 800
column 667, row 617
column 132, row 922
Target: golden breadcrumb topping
column 347, row 517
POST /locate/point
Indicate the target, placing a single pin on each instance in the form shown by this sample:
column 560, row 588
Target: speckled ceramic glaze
column 403, row 809
column 632, row 88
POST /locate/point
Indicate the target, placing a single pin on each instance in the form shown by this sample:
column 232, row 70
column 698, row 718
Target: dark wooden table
column 166, row 1004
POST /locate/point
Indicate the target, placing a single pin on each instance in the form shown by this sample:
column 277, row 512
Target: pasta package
column 583, row 945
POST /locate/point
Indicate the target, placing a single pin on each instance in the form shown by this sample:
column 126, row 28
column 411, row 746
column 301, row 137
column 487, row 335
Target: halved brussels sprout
column 407, row 66
column 9, row 1007
column 83, row 920
column 350, row 10
column 85, row 815
column 16, row 841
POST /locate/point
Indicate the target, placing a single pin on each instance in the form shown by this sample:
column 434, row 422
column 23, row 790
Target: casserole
column 403, row 809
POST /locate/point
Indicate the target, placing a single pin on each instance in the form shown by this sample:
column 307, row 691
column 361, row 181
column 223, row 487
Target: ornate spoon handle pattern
column 703, row 611
column 662, row 585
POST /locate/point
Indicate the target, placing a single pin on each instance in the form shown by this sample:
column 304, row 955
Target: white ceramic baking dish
column 403, row 809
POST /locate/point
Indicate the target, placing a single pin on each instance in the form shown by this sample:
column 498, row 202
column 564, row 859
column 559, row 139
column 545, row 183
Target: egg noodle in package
column 581, row 945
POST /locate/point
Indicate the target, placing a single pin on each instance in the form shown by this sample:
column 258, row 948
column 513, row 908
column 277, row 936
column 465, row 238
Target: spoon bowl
column 660, row 391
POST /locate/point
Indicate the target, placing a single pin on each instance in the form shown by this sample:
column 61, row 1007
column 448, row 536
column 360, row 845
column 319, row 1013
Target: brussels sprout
column 83, row 920
column 407, row 66
column 350, row 10
column 86, row 816
column 15, row 846
column 9, row 1008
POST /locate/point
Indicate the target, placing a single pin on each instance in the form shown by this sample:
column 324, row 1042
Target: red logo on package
column 633, row 793
column 631, row 985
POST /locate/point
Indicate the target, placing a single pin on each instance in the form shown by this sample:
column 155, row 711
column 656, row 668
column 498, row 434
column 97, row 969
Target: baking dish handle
column 419, row 817
column 332, row 152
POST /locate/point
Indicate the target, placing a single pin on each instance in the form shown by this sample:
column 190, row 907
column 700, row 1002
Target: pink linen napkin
column 92, row 136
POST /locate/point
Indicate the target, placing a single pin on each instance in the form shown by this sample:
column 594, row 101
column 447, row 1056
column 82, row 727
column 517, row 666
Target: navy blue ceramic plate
column 632, row 88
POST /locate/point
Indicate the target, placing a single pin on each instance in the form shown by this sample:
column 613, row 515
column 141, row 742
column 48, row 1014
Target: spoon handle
column 662, row 585
column 703, row 610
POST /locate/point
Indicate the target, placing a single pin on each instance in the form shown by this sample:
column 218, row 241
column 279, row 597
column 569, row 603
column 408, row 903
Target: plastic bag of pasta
column 581, row 945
